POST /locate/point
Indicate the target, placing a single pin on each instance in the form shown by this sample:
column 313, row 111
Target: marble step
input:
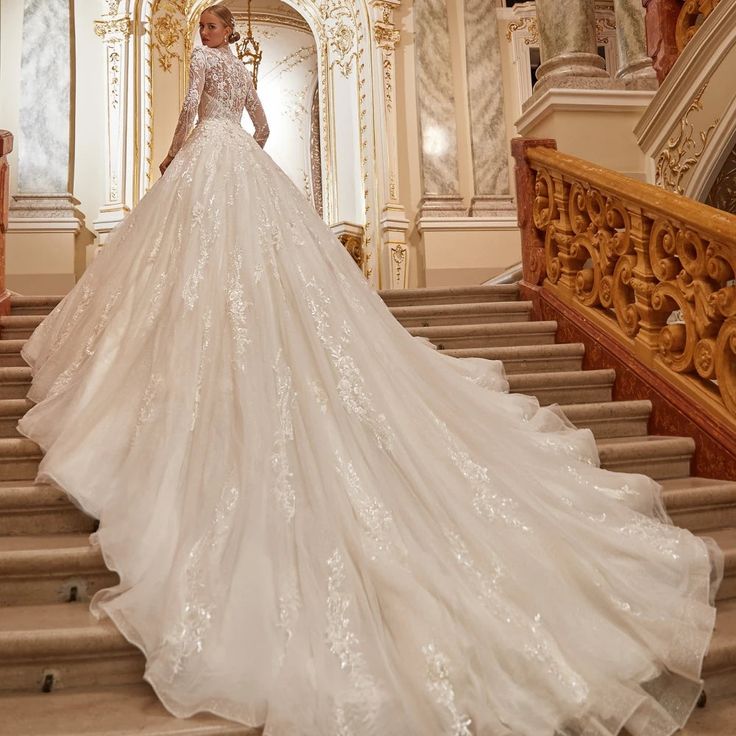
column 721, row 655
column 657, row 456
column 62, row 645
column 11, row 411
column 106, row 711
column 488, row 335
column 565, row 387
column 718, row 716
column 28, row 508
column 19, row 327
column 462, row 314
column 51, row 568
column 19, row 458
column 529, row 358
column 450, row 295
column 700, row 503
column 611, row 418
column 33, row 305
column 726, row 540
column 10, row 356
column 14, row 382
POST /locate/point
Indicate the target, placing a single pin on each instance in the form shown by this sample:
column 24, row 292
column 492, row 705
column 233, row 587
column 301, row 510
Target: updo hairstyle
column 225, row 15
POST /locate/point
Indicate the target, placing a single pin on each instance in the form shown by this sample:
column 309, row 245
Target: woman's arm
column 255, row 111
column 188, row 113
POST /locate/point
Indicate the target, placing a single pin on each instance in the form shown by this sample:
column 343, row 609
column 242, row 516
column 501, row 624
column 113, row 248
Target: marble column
column 45, row 171
column 569, row 47
column 487, row 120
column 436, row 107
column 636, row 65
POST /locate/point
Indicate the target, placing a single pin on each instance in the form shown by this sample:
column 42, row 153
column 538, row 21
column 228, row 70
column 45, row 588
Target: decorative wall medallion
column 340, row 29
column 682, row 151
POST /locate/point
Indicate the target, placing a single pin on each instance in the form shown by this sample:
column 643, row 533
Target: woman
column 320, row 524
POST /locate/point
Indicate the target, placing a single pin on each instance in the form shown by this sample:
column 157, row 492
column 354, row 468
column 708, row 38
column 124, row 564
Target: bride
column 319, row 523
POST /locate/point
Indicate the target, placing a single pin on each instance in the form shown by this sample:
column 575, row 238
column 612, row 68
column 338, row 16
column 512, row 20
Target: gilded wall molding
column 113, row 30
column 340, row 23
column 683, row 149
column 528, row 24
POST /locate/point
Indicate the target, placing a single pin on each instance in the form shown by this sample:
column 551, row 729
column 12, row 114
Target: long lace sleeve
column 188, row 113
column 257, row 115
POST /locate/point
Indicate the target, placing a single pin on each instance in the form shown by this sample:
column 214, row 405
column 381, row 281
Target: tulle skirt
column 324, row 526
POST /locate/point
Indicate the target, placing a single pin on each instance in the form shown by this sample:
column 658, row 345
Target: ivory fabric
column 319, row 523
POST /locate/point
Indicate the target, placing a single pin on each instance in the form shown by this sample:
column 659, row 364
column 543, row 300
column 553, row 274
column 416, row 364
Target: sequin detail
column 350, row 384
column 285, row 398
column 487, row 502
column 196, row 617
column 441, row 688
column 361, row 702
column 374, row 517
column 204, row 359
column 237, row 310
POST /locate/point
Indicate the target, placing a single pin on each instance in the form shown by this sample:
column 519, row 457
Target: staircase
column 63, row 673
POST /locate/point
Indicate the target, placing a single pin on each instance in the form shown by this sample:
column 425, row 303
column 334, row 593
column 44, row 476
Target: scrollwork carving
column 692, row 14
column 341, row 32
column 659, row 280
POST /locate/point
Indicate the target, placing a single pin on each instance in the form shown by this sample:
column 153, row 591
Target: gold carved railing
column 652, row 268
column 692, row 14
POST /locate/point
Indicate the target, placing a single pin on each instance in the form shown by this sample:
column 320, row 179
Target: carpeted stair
column 63, row 673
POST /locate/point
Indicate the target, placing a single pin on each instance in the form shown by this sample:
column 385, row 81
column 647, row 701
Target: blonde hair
column 225, row 15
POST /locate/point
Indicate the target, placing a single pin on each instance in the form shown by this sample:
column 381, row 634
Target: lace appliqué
column 487, row 502
column 207, row 235
column 89, row 348
column 146, row 411
column 87, row 293
column 360, row 704
column 204, row 358
column 285, row 398
column 196, row 617
column 350, row 384
column 237, row 309
column 375, row 518
column 440, row 687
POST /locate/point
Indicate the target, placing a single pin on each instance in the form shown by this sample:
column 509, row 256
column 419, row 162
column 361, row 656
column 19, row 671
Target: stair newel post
column 532, row 237
column 6, row 146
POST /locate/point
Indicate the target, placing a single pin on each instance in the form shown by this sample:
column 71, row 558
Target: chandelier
column 249, row 50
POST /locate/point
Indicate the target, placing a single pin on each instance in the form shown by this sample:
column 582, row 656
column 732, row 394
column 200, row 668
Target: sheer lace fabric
column 220, row 87
column 320, row 524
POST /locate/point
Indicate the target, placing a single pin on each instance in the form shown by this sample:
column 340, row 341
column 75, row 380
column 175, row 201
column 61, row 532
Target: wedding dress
column 319, row 523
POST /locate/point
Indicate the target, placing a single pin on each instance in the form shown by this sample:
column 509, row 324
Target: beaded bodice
column 220, row 87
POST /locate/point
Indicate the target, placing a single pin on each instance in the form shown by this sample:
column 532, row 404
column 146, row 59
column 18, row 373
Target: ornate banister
column 6, row 146
column 652, row 270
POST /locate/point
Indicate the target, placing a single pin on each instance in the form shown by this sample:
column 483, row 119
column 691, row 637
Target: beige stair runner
column 63, row 673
